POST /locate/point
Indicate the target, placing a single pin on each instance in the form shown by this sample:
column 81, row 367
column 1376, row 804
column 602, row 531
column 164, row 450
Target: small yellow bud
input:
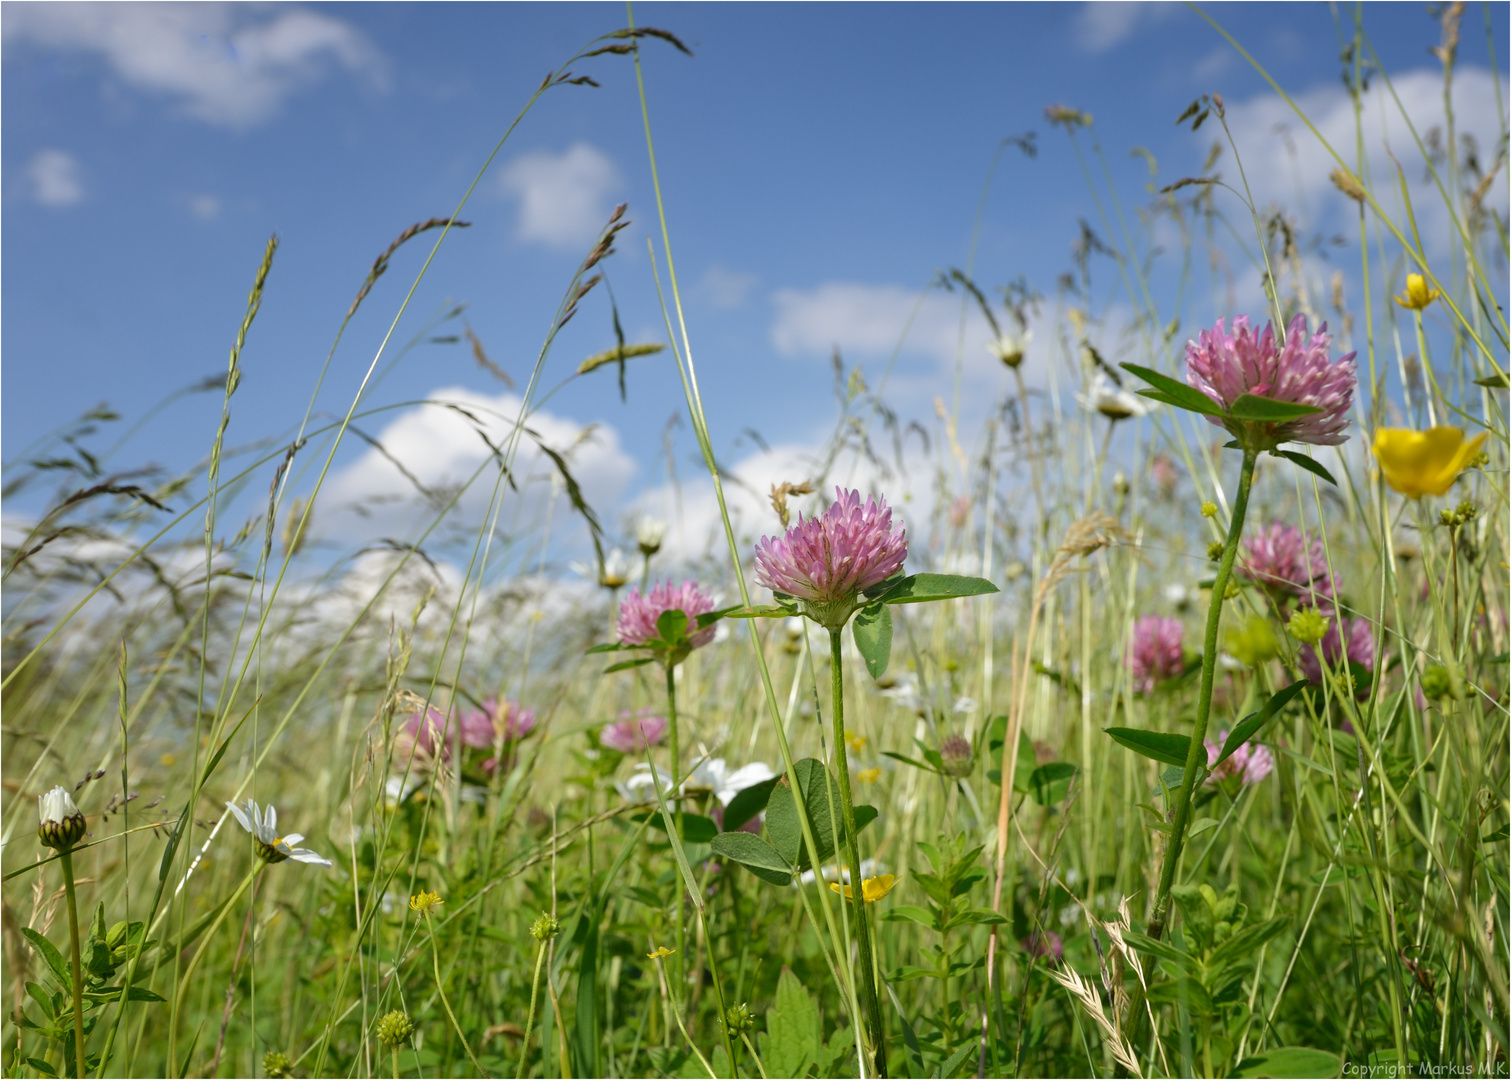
column 1209, row 509
column 1308, row 626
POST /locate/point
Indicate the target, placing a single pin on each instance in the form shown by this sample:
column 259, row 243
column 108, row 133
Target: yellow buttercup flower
column 659, row 953
column 856, row 742
column 872, row 889
column 869, row 776
column 1418, row 463
column 425, row 901
column 1417, row 295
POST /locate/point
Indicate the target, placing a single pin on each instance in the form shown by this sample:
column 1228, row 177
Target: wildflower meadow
column 1144, row 714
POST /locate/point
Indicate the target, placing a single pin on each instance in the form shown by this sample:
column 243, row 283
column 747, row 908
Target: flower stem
column 435, row 959
column 674, row 747
column 1196, row 755
column 524, row 1045
column 395, row 1063
column 866, row 980
column 76, row 970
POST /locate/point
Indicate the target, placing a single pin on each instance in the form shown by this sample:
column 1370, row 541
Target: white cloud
column 229, row 65
column 870, row 320
column 727, row 288
column 563, row 198
column 54, row 176
column 205, row 207
column 441, row 448
column 1262, row 126
column 1100, row 26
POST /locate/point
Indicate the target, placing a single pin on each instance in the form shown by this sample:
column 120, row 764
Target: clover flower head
column 422, row 737
column 271, row 847
column 1225, row 366
column 1281, row 561
column 956, row 754
column 826, row 561
column 1155, row 653
column 60, row 824
column 1041, row 944
column 639, row 612
column 1251, row 762
column 1357, row 648
column 633, row 731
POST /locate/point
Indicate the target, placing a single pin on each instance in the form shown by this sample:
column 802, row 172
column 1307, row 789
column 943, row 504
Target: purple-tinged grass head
column 1225, row 366
column 826, row 561
column 633, row 732
column 1155, row 653
column 1281, row 562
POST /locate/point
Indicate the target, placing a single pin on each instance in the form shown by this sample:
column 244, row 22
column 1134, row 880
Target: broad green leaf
column 791, row 1043
column 1049, row 783
column 911, row 913
column 1199, row 826
column 820, row 791
column 1160, row 949
column 671, row 625
column 1251, row 724
column 1292, row 1061
column 40, row 996
column 1171, row 749
column 49, row 953
column 747, row 803
column 872, row 630
column 1175, row 392
column 1254, row 407
column 754, row 854
column 921, row 588
column 625, row 665
column 708, row 618
column 696, row 829
column 1310, row 465
column 957, row 1059
column 1248, row 940
column 608, row 646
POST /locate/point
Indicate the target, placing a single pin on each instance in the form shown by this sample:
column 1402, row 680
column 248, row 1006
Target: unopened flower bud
column 1435, row 682
column 62, row 826
column 1208, row 509
column 955, row 752
column 277, row 1065
column 395, row 1028
column 1214, row 550
column 650, row 536
column 1308, row 626
column 738, row 1020
column 545, row 928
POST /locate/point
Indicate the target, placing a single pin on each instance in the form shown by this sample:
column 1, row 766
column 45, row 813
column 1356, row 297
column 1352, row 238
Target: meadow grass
column 559, row 886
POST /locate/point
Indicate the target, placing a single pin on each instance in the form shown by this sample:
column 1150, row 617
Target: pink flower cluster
column 638, row 613
column 828, row 559
column 1155, row 652
column 1281, row 561
column 633, row 731
column 496, row 721
column 1225, row 366
column 421, row 736
column 1251, row 762
column 1360, row 648
column 1044, row 944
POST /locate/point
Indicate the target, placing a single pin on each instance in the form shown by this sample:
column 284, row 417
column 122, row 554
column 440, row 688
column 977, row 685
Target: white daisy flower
column 713, row 775
column 640, row 788
column 1011, row 347
column 1112, row 401
column 264, row 829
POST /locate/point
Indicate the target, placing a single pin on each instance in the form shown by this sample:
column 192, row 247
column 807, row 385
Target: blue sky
column 819, row 162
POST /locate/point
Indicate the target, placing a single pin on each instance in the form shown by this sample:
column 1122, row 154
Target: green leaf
column 41, row 1066
column 1174, row 392
column 747, row 803
column 957, row 1059
column 769, row 611
column 696, row 829
column 790, row 1045
column 1311, row 466
column 607, row 646
column 909, row 1036
column 112, row 994
column 1199, row 826
column 911, row 913
column 1171, row 749
column 1050, row 783
column 908, row 761
column 754, row 854
column 51, row 955
column 1495, row 836
column 1494, row 382
column 1251, row 724
column 819, row 789
column 922, row 588
column 1292, row 1061
column 625, row 665
column 1248, row 940
column 1254, row 407
column 671, row 625
column 708, row 618
column 40, row 996
column 872, row 630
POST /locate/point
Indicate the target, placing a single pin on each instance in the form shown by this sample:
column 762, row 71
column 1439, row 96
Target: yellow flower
column 856, row 742
column 869, row 776
column 1418, row 463
column 425, row 901
column 872, row 889
column 1417, row 295
column 659, row 953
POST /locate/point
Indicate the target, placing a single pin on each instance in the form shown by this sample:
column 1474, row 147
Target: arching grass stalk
column 1196, row 755
column 674, row 748
column 440, row 989
column 865, row 979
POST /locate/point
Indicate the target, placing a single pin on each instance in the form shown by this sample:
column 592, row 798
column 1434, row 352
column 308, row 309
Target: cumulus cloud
column 231, row 65
column 55, row 179
column 427, row 452
column 563, row 198
column 726, row 288
column 1101, row 26
column 1286, row 164
column 205, row 207
column 870, row 320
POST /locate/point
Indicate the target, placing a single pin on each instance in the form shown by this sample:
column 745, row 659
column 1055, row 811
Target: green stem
column 1197, row 754
column 679, row 965
column 185, row 977
column 435, row 958
column 524, row 1045
column 396, row 1063
column 77, row 969
column 866, row 977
